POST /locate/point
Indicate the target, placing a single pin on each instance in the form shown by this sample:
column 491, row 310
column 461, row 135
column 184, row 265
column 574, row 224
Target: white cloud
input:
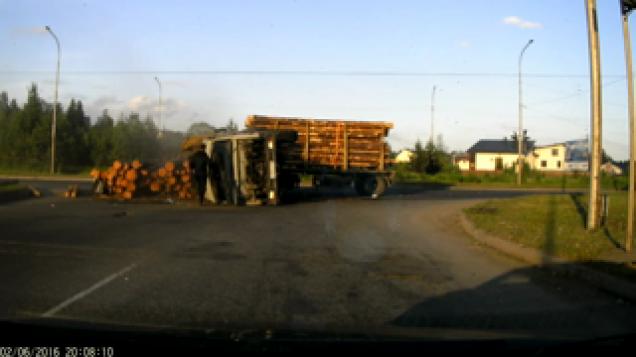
column 145, row 104
column 105, row 101
column 464, row 44
column 138, row 102
column 521, row 23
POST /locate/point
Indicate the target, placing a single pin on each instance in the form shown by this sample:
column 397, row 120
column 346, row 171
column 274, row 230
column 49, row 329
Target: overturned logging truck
column 264, row 162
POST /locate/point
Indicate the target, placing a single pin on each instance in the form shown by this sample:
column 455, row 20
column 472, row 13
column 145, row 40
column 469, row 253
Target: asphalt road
column 326, row 262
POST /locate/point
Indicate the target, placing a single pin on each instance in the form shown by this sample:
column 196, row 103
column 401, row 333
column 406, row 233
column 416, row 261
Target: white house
column 495, row 155
column 404, row 157
column 548, row 157
column 462, row 161
column 611, row 169
column 577, row 155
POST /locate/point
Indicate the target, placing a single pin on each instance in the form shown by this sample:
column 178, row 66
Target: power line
column 318, row 73
column 576, row 94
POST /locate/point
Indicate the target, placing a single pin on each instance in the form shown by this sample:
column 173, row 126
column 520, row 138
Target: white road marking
column 84, row 293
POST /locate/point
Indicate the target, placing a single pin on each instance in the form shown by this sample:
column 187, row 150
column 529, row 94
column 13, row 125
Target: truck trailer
column 263, row 163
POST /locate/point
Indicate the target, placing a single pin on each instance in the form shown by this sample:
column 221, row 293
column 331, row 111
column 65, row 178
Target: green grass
column 554, row 224
column 507, row 179
column 80, row 172
column 11, row 187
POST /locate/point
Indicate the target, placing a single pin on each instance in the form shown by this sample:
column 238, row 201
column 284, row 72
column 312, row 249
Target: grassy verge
column 80, row 173
column 11, row 187
column 10, row 191
column 554, row 224
column 508, row 179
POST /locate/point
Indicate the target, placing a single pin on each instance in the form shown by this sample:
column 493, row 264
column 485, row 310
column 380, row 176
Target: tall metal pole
column 57, row 82
column 520, row 135
column 594, row 207
column 433, row 115
column 161, row 128
column 632, row 134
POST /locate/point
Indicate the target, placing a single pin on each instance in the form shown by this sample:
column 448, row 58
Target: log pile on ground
column 333, row 143
column 126, row 180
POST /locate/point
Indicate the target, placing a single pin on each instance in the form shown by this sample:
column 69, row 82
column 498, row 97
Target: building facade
column 548, row 158
column 497, row 155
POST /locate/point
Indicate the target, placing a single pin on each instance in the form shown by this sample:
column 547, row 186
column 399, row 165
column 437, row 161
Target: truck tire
column 370, row 185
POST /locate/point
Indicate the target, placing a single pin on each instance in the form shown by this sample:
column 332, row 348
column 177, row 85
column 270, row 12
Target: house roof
column 549, row 145
column 499, row 146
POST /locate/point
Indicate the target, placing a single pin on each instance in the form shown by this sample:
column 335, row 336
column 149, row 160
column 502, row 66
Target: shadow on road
column 314, row 194
column 512, row 301
column 409, row 192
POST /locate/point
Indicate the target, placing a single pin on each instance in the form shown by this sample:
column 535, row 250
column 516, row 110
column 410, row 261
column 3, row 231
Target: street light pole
column 433, row 115
column 626, row 8
column 160, row 134
column 594, row 206
column 520, row 136
column 57, row 81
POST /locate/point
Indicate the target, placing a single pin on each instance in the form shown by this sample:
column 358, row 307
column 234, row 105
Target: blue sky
column 378, row 60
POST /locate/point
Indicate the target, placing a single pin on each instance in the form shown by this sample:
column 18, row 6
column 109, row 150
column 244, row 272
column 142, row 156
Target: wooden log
column 263, row 119
column 155, row 186
column 131, row 175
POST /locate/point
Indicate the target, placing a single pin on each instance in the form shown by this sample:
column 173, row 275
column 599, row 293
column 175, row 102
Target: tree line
column 431, row 158
column 25, row 136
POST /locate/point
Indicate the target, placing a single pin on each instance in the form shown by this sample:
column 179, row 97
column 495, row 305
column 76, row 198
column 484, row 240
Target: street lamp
column 433, row 115
column 628, row 6
column 160, row 134
column 520, row 135
column 57, row 81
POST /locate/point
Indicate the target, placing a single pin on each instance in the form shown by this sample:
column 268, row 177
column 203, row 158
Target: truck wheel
column 370, row 185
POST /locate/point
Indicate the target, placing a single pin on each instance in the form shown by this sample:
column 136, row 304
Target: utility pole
column 57, row 82
column 626, row 7
column 161, row 128
column 433, row 115
column 594, row 207
column 520, row 135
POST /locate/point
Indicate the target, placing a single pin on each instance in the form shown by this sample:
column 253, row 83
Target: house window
column 559, row 164
column 544, row 163
column 555, row 152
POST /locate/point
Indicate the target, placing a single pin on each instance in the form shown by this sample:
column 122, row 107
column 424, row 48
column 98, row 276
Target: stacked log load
column 333, row 143
column 128, row 180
